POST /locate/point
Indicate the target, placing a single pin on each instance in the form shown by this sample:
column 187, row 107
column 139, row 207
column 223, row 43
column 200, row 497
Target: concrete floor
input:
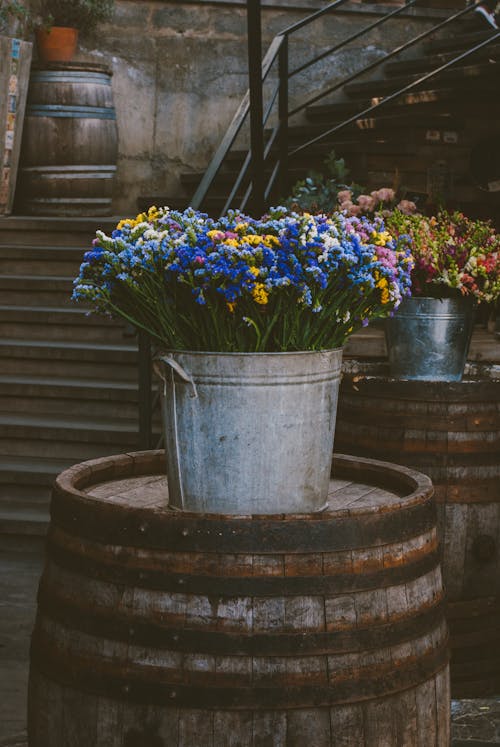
column 475, row 723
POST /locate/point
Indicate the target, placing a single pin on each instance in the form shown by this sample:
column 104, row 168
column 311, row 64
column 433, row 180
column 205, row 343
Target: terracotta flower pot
column 56, row 44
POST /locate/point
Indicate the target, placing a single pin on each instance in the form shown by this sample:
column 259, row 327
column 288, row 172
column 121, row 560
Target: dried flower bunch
column 284, row 282
column 453, row 254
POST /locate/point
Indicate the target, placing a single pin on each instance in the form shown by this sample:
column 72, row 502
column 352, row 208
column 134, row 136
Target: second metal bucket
column 249, row 432
column 428, row 338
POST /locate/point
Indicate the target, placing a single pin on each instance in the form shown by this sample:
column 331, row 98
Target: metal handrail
column 244, row 108
column 353, row 37
column 275, row 52
column 381, row 60
column 396, row 94
column 234, row 128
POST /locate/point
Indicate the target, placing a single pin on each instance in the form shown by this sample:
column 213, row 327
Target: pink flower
column 366, row 202
column 351, row 208
column 386, row 194
column 344, row 196
column 407, row 207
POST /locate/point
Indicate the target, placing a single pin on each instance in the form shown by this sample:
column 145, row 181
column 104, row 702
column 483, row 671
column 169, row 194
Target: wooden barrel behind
column 69, row 149
column 451, row 432
column 162, row 627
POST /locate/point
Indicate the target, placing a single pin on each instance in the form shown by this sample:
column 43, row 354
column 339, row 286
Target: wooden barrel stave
column 173, row 637
column 452, row 433
column 70, row 146
column 409, row 718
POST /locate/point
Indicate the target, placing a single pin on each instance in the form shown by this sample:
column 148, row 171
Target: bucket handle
column 184, row 375
column 169, row 382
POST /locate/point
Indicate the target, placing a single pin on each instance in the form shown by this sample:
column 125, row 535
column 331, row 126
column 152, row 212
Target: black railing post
column 283, row 117
column 254, row 32
column 145, row 397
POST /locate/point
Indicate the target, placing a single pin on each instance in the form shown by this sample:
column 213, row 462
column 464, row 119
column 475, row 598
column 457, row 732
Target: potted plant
column 249, row 317
column 59, row 22
column 456, row 266
column 15, row 53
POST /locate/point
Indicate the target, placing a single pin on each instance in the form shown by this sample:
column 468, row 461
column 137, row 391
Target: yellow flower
column 231, row 305
column 260, row 294
column 254, row 270
column 153, row 213
column 215, row 235
column 270, row 240
column 125, row 222
column 384, row 287
column 381, row 238
column 253, row 239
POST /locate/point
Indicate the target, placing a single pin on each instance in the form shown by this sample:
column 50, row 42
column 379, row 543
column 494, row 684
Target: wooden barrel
column 163, row 627
column 451, row 432
column 69, row 149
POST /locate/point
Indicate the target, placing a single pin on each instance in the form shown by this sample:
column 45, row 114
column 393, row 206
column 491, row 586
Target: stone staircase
column 68, row 381
column 425, row 142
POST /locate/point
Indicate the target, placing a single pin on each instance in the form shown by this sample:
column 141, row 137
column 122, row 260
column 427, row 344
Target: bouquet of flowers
column 453, row 254
column 381, row 201
column 282, row 283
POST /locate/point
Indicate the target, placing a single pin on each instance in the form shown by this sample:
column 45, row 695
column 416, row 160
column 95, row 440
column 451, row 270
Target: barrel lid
column 74, row 66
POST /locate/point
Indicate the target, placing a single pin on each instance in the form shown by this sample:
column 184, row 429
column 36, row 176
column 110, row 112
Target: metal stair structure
column 68, row 381
column 422, row 117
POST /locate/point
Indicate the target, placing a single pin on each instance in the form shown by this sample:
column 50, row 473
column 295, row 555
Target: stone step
column 41, row 260
column 117, row 361
column 459, row 40
column 25, row 490
column 29, row 504
column 52, row 231
column 32, row 472
column 76, row 438
column 430, row 100
column 54, row 323
column 24, row 520
column 33, row 290
column 424, row 64
column 467, row 76
column 76, row 397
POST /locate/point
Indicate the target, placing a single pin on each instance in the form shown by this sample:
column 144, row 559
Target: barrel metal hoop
column 218, row 585
column 55, row 76
column 227, row 643
column 139, row 684
column 176, row 531
column 71, row 112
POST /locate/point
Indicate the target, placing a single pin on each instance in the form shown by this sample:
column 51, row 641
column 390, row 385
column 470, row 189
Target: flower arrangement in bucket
column 456, row 266
column 249, row 317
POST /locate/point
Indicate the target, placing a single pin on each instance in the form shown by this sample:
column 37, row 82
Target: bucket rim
column 165, row 351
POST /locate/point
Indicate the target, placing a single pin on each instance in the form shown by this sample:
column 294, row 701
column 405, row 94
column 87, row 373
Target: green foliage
column 13, row 12
column 318, row 191
column 81, row 14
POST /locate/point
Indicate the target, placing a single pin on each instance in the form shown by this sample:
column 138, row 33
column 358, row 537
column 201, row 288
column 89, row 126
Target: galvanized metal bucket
column 428, row 338
column 249, row 432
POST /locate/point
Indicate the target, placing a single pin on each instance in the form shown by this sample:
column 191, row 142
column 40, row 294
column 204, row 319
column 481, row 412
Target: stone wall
column 180, row 70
